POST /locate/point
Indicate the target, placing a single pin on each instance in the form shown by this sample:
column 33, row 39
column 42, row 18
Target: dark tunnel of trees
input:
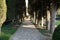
column 16, row 9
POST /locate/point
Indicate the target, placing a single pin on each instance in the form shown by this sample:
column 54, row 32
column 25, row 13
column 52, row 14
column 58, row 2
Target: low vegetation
column 7, row 31
column 57, row 22
column 56, row 34
column 44, row 31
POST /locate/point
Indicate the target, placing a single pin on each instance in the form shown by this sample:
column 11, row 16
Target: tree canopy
column 3, row 10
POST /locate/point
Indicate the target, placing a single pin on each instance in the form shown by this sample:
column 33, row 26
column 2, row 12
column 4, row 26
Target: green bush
column 56, row 34
column 7, row 31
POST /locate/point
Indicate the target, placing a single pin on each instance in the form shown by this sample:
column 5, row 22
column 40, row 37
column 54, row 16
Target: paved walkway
column 27, row 31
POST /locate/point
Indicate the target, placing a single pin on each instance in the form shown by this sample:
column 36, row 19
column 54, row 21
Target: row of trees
column 44, row 9
column 14, row 10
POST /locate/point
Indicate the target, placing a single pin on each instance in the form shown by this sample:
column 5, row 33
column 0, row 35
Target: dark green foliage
column 14, row 9
column 11, row 9
column 56, row 34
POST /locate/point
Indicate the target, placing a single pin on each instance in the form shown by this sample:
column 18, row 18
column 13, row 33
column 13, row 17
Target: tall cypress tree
column 3, row 10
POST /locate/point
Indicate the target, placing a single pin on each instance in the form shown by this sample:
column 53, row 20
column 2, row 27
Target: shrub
column 56, row 34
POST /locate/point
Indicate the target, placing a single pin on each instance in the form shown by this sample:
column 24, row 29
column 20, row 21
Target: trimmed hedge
column 3, row 10
column 56, row 34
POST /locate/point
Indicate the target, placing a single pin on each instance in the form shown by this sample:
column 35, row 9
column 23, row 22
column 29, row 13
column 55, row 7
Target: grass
column 58, row 22
column 44, row 31
column 7, row 31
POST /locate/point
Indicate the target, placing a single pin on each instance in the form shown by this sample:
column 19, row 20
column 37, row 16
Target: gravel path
column 27, row 31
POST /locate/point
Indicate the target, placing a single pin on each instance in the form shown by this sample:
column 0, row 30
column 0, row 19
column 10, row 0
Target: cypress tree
column 3, row 10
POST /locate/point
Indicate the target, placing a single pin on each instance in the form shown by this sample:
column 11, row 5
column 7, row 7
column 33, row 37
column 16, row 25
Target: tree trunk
column 34, row 17
column 48, row 20
column 53, row 17
column 42, row 24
